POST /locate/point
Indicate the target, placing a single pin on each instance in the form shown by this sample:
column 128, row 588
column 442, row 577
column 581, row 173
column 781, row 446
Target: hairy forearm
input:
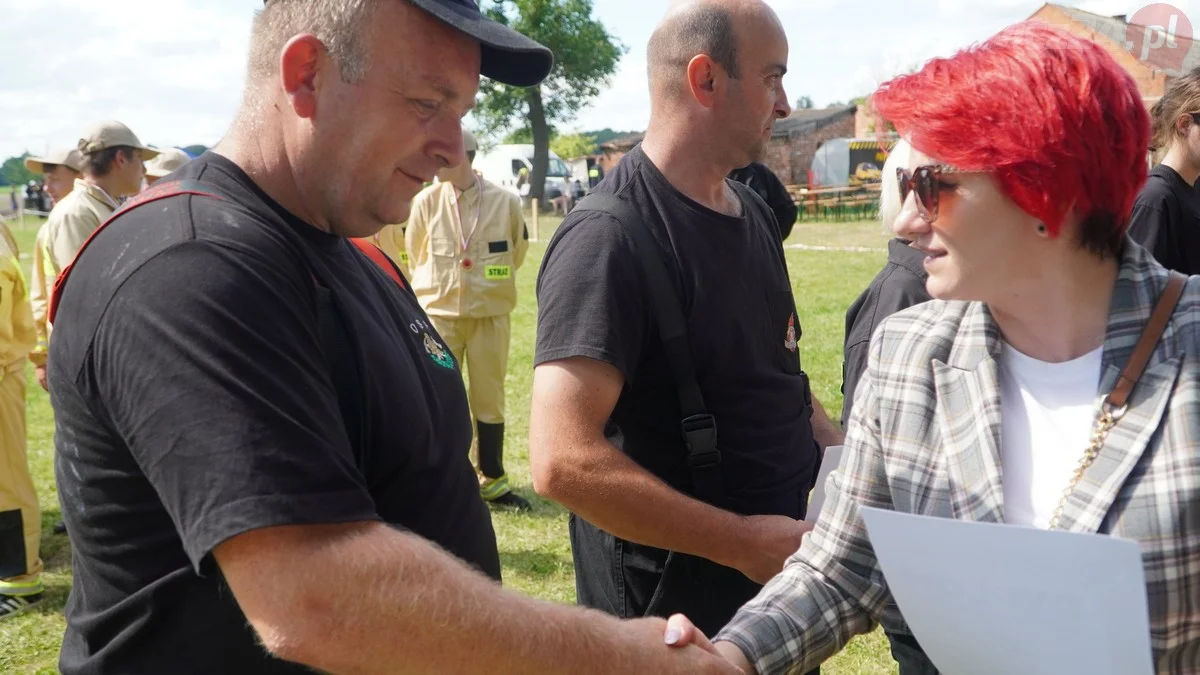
column 376, row 600
column 608, row 489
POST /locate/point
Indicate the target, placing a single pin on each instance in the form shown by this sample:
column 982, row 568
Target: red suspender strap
column 163, row 190
column 160, row 190
column 378, row 257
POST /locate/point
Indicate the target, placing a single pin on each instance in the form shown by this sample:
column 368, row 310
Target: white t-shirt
column 1047, row 413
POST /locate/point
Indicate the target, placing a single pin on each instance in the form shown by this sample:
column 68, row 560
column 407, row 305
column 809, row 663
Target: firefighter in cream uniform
column 466, row 239
column 391, row 240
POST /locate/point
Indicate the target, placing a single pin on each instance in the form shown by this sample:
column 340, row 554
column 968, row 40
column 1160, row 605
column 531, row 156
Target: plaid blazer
column 924, row 438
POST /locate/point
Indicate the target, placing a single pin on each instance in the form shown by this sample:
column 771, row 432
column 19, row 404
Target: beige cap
column 469, row 144
column 167, row 161
column 72, row 159
column 110, row 134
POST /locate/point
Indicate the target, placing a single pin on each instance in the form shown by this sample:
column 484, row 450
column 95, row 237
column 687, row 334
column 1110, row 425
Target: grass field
column 534, row 547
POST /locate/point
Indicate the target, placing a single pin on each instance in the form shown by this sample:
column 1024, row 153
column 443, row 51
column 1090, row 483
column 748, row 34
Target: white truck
column 502, row 164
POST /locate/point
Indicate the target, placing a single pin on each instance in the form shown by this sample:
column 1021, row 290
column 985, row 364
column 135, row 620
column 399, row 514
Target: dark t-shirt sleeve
column 854, row 367
column 895, row 290
column 781, row 204
column 589, row 296
column 208, row 363
column 1151, row 222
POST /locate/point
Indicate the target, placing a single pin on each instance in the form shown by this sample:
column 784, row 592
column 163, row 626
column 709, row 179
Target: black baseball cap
column 508, row 56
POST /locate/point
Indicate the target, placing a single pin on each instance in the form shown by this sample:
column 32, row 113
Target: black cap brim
column 507, row 56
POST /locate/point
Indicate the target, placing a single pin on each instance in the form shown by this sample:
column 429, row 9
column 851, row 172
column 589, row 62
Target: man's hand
column 681, row 632
column 40, row 373
column 698, row 656
column 770, row 541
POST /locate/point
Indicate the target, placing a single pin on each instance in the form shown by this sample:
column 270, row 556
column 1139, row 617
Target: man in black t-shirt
column 605, row 436
column 261, row 440
column 760, row 178
column 1166, row 217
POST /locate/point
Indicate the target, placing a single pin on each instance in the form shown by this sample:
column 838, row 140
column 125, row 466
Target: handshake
column 689, row 651
column 768, row 541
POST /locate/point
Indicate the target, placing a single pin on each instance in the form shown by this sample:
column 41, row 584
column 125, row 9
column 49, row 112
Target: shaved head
column 712, row 27
column 716, row 72
column 690, row 29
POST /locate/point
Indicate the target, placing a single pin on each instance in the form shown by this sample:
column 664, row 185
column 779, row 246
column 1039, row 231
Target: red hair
column 1052, row 116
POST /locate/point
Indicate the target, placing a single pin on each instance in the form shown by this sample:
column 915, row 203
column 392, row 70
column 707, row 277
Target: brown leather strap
column 1150, row 335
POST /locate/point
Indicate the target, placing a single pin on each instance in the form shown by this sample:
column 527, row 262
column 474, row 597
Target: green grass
column 534, row 547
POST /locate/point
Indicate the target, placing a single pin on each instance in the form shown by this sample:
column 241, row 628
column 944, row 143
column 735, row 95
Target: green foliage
column 522, row 135
column 804, row 103
column 586, row 57
column 14, row 171
column 605, row 135
column 570, row 146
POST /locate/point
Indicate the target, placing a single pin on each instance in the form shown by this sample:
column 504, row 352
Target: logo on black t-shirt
column 438, row 353
column 789, row 340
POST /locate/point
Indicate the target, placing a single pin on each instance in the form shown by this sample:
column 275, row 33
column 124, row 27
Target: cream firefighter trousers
column 484, row 344
column 19, row 510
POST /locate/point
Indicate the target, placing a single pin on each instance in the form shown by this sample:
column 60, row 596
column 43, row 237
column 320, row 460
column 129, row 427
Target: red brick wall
column 791, row 157
column 779, row 158
column 1149, row 81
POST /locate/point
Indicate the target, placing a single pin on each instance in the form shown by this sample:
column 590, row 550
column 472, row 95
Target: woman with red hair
column 999, row 400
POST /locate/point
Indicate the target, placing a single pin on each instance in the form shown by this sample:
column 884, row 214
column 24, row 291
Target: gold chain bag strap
column 1115, row 403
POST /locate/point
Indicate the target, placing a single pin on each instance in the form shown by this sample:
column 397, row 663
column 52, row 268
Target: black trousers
column 909, row 655
column 630, row 580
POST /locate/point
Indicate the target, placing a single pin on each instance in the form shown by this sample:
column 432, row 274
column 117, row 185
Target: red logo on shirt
column 790, row 339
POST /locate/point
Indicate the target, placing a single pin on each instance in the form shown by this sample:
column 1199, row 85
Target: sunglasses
column 926, row 181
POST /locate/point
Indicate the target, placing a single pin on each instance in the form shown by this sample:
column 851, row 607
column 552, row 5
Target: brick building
column 1112, row 33
column 610, row 153
column 795, row 140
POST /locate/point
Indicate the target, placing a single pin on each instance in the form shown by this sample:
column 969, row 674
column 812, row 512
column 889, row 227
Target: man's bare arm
column 365, row 598
column 825, row 430
column 574, row 464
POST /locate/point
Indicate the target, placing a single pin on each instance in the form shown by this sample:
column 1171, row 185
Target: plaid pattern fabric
column 924, row 438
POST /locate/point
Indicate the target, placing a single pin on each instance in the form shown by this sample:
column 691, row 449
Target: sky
column 172, row 70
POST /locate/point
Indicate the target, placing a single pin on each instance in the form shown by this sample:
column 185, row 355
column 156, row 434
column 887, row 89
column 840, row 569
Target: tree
column 605, row 135
column 586, row 57
column 14, row 171
column 519, row 136
column 571, row 146
column 804, row 103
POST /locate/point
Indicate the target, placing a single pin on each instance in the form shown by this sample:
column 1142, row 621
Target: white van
column 502, row 163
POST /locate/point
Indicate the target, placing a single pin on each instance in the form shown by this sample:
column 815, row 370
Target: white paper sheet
column 989, row 599
column 816, row 501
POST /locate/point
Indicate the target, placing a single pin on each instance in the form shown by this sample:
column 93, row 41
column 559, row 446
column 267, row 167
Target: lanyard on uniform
column 463, row 236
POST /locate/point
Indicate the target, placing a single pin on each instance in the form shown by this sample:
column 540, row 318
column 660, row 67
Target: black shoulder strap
column 698, row 426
